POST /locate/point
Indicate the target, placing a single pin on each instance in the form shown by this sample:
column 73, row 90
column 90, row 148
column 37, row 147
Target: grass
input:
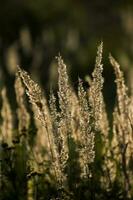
column 64, row 150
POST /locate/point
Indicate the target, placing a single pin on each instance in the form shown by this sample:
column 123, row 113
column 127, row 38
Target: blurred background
column 33, row 32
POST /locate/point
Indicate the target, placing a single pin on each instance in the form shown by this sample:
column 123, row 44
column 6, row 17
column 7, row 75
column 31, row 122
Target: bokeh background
column 33, row 32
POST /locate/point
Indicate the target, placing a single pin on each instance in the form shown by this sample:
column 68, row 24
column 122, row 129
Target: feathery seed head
column 7, row 119
column 23, row 115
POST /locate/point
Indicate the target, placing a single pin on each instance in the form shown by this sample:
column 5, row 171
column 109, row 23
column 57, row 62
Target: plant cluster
column 65, row 147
